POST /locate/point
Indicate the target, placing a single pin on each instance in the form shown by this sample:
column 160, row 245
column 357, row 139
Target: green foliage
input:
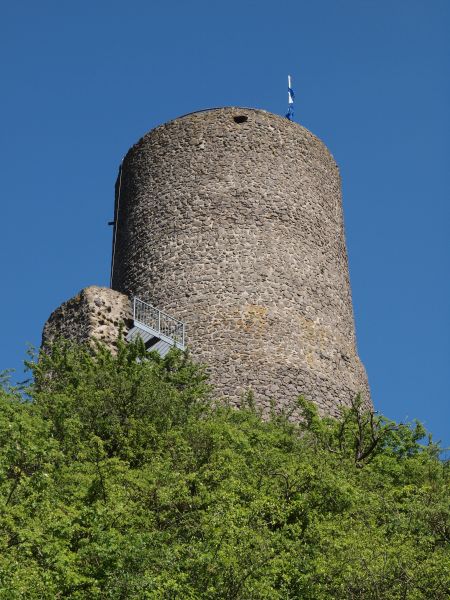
column 120, row 479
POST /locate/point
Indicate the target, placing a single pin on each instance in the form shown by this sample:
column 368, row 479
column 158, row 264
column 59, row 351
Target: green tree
column 120, row 478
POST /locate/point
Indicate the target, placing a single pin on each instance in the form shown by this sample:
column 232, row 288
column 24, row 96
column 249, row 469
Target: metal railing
column 158, row 321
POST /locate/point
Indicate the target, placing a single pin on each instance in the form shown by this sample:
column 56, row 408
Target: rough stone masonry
column 95, row 313
column 231, row 220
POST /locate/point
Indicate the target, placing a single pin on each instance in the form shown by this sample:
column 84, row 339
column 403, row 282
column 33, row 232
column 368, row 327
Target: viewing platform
column 158, row 331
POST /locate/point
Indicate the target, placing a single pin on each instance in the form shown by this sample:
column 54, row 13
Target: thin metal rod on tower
column 116, row 217
column 291, row 96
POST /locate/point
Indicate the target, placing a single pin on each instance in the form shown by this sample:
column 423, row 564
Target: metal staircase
column 157, row 330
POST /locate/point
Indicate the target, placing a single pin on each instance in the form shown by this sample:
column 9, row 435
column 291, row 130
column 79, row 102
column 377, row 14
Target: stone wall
column 96, row 313
column 231, row 220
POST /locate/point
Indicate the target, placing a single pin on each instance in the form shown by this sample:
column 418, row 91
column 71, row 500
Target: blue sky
column 81, row 82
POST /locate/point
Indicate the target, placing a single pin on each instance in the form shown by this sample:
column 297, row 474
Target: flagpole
column 290, row 112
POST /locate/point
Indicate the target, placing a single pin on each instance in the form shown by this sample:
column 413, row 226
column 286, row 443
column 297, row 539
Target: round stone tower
column 231, row 220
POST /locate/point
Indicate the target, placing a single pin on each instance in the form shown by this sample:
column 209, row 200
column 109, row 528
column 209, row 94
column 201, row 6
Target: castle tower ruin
column 231, row 220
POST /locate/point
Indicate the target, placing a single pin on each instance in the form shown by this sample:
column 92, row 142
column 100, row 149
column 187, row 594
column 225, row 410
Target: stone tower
column 231, row 220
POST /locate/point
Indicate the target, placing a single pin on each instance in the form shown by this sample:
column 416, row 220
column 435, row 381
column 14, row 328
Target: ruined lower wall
column 96, row 313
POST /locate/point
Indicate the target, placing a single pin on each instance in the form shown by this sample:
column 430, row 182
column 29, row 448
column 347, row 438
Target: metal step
column 161, row 347
column 138, row 332
column 151, row 341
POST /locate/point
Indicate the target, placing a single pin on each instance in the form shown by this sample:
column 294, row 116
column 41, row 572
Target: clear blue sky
column 82, row 81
